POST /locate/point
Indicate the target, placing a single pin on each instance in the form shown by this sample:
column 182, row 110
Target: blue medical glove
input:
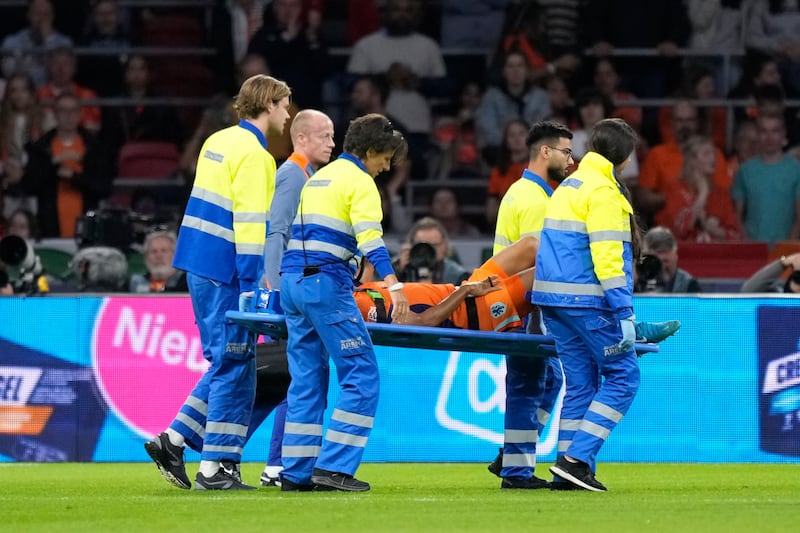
column 246, row 301
column 628, row 334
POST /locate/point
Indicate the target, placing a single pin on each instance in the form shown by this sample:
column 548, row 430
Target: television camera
column 25, row 273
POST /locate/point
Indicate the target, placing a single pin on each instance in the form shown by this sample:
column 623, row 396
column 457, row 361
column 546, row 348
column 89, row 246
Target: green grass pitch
column 682, row 498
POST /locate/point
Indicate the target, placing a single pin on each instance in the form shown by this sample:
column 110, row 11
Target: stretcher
column 506, row 343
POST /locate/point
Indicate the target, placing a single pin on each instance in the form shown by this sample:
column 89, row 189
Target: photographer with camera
column 657, row 270
column 161, row 276
column 425, row 256
column 18, row 255
column 768, row 279
column 22, row 270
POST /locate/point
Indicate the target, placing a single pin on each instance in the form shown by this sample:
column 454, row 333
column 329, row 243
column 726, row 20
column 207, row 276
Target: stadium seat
column 184, row 78
column 731, row 260
column 174, row 30
column 136, row 263
column 54, row 261
column 147, row 159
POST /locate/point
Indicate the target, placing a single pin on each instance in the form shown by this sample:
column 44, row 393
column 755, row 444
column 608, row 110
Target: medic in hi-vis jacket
column 220, row 246
column 584, row 287
column 339, row 216
column 532, row 384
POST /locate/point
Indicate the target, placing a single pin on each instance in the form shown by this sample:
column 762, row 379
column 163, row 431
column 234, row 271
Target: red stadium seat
column 186, row 78
column 722, row 259
column 176, row 30
column 148, row 159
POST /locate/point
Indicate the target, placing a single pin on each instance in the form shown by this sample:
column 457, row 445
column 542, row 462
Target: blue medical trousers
column 601, row 380
column 532, row 387
column 215, row 416
column 276, row 440
column 322, row 318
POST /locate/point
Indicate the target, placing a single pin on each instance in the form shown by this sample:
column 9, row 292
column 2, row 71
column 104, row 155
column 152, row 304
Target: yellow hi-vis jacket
column 521, row 212
column 585, row 258
column 225, row 225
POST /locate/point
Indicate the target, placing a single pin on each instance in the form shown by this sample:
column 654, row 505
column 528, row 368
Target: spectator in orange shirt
column 662, row 167
column 696, row 209
column 62, row 67
column 68, row 169
column 512, row 159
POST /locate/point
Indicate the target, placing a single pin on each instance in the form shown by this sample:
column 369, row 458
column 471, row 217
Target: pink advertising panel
column 147, row 358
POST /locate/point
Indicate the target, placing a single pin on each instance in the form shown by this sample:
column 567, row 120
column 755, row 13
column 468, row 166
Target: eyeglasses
column 566, row 151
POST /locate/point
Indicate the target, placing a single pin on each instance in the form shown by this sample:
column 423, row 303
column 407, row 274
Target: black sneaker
column 578, row 474
column 518, row 483
column 222, row 480
column 338, row 481
column 291, row 486
column 169, row 460
column 564, row 485
column 497, row 465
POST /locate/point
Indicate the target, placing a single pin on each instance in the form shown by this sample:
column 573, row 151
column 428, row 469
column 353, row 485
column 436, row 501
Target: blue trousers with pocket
column 601, row 380
column 323, row 320
column 215, row 417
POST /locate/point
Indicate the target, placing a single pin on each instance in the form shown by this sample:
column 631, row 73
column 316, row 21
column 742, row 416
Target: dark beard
column 555, row 174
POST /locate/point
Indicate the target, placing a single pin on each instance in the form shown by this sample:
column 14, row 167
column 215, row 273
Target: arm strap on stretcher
column 507, row 343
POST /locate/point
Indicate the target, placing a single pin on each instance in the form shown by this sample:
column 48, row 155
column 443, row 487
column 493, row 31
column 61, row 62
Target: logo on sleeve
column 498, row 309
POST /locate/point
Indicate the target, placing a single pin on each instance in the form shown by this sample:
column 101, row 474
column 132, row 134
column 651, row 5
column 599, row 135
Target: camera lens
column 422, row 254
column 13, row 250
column 649, row 267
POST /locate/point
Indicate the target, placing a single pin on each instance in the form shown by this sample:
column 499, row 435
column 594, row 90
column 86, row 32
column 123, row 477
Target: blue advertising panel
column 91, row 378
column 779, row 379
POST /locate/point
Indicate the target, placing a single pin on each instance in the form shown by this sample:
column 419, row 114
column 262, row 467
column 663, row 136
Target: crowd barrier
column 90, row 378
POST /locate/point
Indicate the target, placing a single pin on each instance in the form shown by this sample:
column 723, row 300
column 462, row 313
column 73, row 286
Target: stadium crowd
column 710, row 87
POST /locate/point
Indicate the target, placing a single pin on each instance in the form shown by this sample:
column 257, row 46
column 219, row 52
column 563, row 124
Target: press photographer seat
column 55, row 262
column 136, row 264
